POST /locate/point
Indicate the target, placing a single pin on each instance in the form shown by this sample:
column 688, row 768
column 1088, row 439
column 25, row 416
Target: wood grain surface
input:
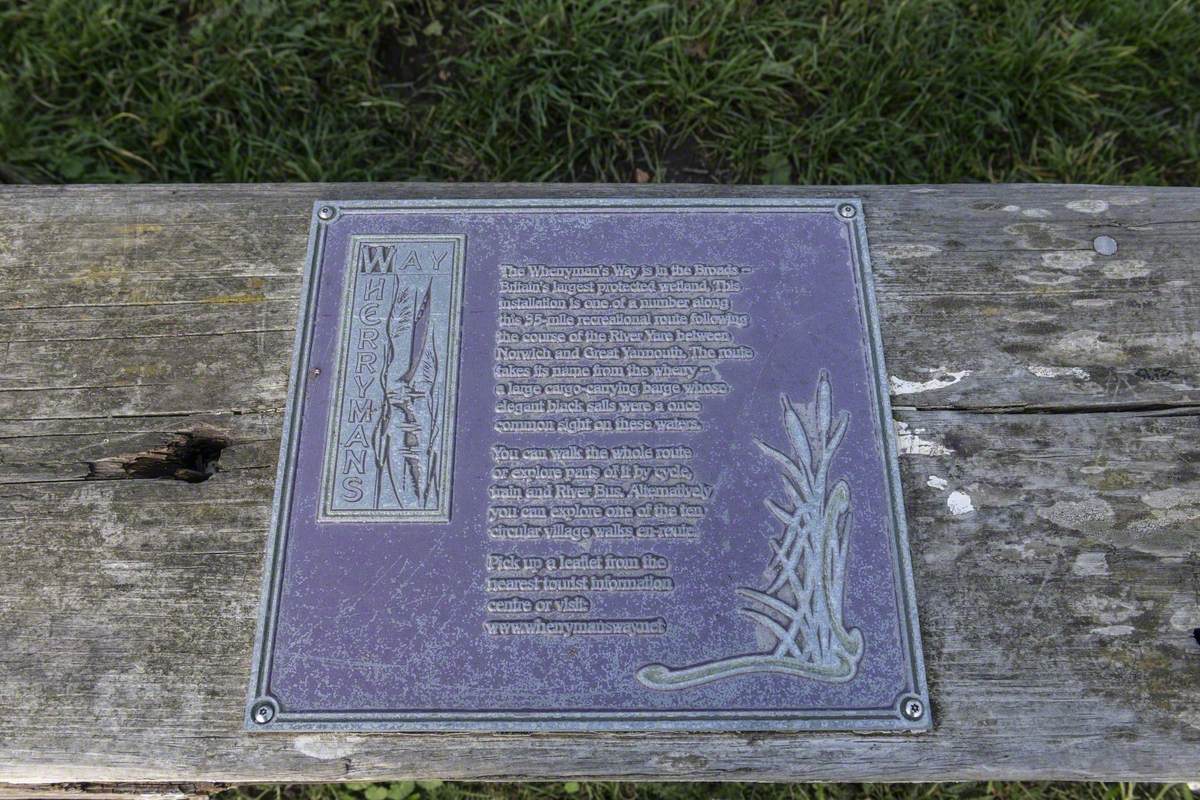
column 1048, row 401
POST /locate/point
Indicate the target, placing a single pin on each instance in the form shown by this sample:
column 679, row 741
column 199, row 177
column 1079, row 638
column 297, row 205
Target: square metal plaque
column 588, row 465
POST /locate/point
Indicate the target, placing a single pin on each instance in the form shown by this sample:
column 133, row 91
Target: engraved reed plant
column 800, row 607
column 405, row 435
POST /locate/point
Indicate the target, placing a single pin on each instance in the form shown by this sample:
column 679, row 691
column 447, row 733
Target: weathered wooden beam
column 1050, row 406
column 100, row 791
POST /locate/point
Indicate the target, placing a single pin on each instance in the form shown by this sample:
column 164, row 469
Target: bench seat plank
column 1048, row 401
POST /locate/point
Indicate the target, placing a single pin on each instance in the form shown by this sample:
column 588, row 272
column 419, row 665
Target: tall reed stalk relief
column 406, row 435
column 800, row 606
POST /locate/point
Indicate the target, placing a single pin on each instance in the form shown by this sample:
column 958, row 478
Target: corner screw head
column 263, row 713
column 326, row 213
column 846, row 211
column 912, row 709
column 1105, row 245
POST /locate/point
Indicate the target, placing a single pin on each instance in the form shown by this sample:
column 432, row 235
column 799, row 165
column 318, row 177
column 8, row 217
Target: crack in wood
column 1140, row 409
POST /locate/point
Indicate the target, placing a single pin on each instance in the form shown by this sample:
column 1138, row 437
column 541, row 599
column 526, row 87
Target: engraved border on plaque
column 390, row 434
column 261, row 705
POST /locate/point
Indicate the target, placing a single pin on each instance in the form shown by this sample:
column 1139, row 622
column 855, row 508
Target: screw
column 326, row 213
column 263, row 713
column 846, row 211
column 1105, row 245
column 316, row 373
column 912, row 709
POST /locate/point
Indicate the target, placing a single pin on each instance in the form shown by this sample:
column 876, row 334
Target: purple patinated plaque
column 588, row 465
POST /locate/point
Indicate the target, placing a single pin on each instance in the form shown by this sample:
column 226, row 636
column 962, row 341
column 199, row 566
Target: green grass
column 814, row 92
column 819, row 92
column 436, row 790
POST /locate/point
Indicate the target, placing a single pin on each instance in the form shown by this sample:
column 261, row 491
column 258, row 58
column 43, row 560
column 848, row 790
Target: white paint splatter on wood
column 935, row 482
column 909, row 442
column 1059, row 372
column 959, row 503
column 941, row 381
column 1088, row 206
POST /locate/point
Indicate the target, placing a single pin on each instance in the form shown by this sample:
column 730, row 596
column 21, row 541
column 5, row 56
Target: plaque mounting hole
column 326, row 213
column 846, row 211
column 912, row 708
column 263, row 712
